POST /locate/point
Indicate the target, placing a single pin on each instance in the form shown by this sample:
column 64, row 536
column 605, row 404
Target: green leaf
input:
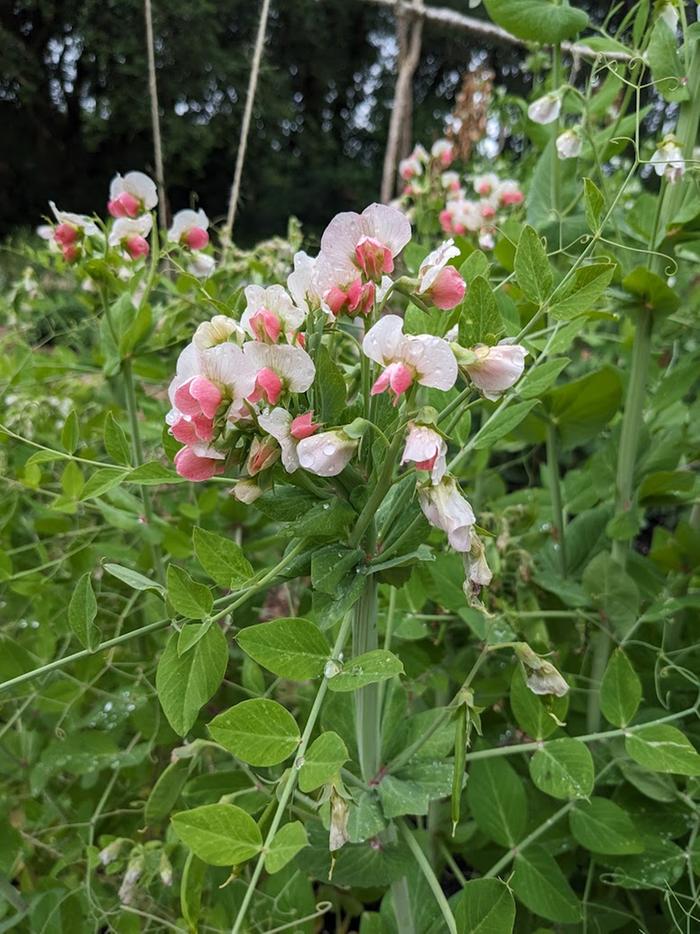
column 503, row 423
column 286, row 843
column 563, row 768
column 102, row 480
column 603, row 827
column 542, row 887
column 222, row 559
column 185, row 683
column 82, row 611
column 581, row 408
column 476, row 264
column 665, row 63
column 584, row 291
column 219, row 834
column 166, row 791
column 663, row 748
column 72, row 480
column 651, row 291
column 115, row 441
column 539, row 378
column 377, row 665
column 133, row 579
column 330, row 564
column 330, row 391
column 536, row 715
column 70, row 435
column 620, row 690
column 289, row 648
column 258, row 731
column 613, row 591
column 322, row 761
column 660, row 866
column 532, row 268
column 187, row 597
column 541, row 21
column 154, row 474
column 484, row 906
column 480, row 321
column 496, row 798
column 594, row 202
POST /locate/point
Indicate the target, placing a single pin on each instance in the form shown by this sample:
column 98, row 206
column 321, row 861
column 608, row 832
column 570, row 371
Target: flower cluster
column 462, row 214
column 245, row 396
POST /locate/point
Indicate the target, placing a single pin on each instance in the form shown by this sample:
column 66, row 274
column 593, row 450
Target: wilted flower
column 131, row 195
column 189, row 228
column 407, row 358
column 326, row 454
column 569, row 144
column 270, row 313
column 444, row 507
column 130, row 234
column 246, row 491
column 440, row 283
column 541, row 676
column 497, row 368
column 545, row 109
column 165, row 869
column 668, row 160
column 338, row 835
column 478, row 572
column 427, row 449
column 134, row 868
column 111, row 852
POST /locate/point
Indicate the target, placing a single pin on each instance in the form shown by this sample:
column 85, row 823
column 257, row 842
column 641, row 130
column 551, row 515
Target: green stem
column 290, row 781
column 367, row 713
column 380, row 490
column 555, row 492
column 429, row 875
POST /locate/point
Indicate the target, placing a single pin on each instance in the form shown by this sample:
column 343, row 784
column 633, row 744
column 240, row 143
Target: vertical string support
column 245, row 126
column 155, row 117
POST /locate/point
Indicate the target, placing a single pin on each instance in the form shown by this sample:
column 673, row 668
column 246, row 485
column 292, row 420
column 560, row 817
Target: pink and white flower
column 508, row 193
column 545, row 109
column 278, row 368
column 278, row 423
column 439, row 282
column 271, row 314
column 445, row 508
column 199, row 462
column 326, row 454
column 410, row 167
column 497, row 368
column 443, row 151
column 189, row 229
column 486, row 185
column 219, row 330
column 569, row 144
column 130, row 234
column 131, row 195
column 69, row 231
column 406, row 358
column 450, row 182
column 668, row 160
column 427, row 449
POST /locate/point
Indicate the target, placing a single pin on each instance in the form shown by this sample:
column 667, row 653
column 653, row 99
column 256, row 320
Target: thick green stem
column 429, row 875
column 555, row 493
column 367, row 713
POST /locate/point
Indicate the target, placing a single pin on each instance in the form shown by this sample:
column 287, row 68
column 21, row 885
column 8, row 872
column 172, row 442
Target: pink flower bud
column 266, row 326
column 374, row 258
column 268, row 386
column 196, row 238
column 446, row 221
column 512, row 197
column 303, row 426
column 448, row 289
column 136, row 247
column 198, row 396
column 190, row 465
column 397, row 378
column 124, row 205
column 65, row 234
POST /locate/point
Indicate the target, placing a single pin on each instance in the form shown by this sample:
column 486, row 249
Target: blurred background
column 74, row 103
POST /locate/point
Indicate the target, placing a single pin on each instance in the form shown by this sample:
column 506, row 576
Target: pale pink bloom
column 497, row 368
column 201, row 265
column 411, row 167
column 189, row 228
column 67, row 222
column 131, row 195
column 407, row 358
column 219, row 330
column 270, row 314
column 545, row 109
column 440, row 283
column 427, row 449
column 199, row 462
column 302, row 283
column 443, row 151
column 486, row 185
column 246, row 491
column 279, row 368
column 326, row 454
column 668, row 160
column 509, row 193
column 450, row 181
column 263, row 453
column 130, row 234
column 445, row 508
column 278, row 423
column 487, row 241
column 569, row 144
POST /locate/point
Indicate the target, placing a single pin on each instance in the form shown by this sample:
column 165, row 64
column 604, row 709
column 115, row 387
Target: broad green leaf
column 377, row 665
column 496, row 798
column 603, row 827
column 411, row 791
column 666, row 487
column 663, row 748
column 115, row 441
column 222, row 559
column 594, row 202
column 133, row 579
column 330, row 564
column 190, row 635
column 187, row 597
column 620, row 690
column 219, row 834
column 542, row 887
column 322, row 761
column 166, row 791
column 485, row 906
column 532, row 268
column 185, row 683
column 613, row 591
column 476, row 264
column 480, row 321
column 654, row 785
column 584, row 291
column 537, row 716
column 70, row 435
column 659, row 866
column 651, row 291
column 286, row 843
column 365, row 817
column 72, row 480
column 582, row 407
column 82, row 611
column 258, row 731
column 290, row 648
column 503, row 423
column 541, row 377
column 541, row 21
column 563, row 768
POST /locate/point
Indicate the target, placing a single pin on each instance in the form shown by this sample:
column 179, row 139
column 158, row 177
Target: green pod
column 460, row 762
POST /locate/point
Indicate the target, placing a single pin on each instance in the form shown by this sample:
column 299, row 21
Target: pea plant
column 358, row 591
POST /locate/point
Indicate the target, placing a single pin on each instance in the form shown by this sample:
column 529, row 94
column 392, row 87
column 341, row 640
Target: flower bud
column 326, row 454
column 246, row 491
column 444, row 507
column 545, row 109
column 496, row 368
column 569, row 144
